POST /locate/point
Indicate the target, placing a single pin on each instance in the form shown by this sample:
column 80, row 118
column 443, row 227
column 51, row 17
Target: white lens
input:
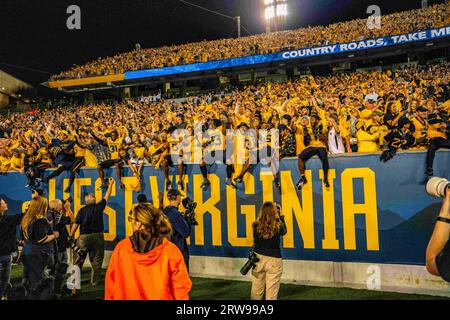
column 436, row 187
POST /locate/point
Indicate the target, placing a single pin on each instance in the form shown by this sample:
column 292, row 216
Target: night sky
column 33, row 33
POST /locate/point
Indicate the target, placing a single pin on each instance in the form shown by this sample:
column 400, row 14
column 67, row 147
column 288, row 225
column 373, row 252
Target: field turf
column 216, row 289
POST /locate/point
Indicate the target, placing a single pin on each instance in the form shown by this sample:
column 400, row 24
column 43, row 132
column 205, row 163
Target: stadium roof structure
column 417, row 42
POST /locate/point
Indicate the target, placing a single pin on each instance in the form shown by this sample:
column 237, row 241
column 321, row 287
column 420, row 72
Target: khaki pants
column 94, row 245
column 266, row 275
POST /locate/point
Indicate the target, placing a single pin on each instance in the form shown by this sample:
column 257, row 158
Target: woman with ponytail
column 146, row 266
column 36, row 254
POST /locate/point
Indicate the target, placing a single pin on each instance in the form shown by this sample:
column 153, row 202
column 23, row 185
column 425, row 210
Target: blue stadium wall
column 373, row 212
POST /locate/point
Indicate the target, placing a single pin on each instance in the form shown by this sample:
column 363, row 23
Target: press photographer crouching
column 8, row 245
column 60, row 216
column 38, row 247
column 181, row 224
column 91, row 240
column 438, row 251
column 267, row 265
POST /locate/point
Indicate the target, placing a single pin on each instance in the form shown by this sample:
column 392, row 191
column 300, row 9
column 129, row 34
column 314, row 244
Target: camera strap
column 442, row 219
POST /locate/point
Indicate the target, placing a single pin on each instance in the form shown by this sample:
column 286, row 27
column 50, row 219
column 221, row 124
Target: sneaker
column 429, row 172
column 326, row 183
column 103, row 186
column 301, row 182
column 238, row 180
column 277, row 182
column 205, row 184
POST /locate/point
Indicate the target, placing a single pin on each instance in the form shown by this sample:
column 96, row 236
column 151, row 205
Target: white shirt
column 335, row 142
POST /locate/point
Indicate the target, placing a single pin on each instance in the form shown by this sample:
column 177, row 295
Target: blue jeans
column 5, row 273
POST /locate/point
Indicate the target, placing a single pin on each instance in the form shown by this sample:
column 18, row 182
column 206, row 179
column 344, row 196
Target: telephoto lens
column 437, row 187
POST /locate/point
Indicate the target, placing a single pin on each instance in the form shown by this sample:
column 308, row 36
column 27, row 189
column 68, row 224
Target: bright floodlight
column 268, row 2
column 269, row 12
column 281, row 10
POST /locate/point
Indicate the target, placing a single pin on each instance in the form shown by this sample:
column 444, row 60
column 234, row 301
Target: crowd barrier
column 373, row 212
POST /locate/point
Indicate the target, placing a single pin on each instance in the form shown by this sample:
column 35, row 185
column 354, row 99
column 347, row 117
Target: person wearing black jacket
column 267, row 232
column 181, row 228
column 8, row 228
column 91, row 240
column 59, row 216
column 39, row 240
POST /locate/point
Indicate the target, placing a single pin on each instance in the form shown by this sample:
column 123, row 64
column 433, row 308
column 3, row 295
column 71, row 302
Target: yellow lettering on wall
column 368, row 208
column 248, row 210
column 267, row 185
column 154, row 190
column 291, row 207
column 208, row 206
column 51, row 189
column 110, row 212
column 128, row 195
column 65, row 185
column 329, row 220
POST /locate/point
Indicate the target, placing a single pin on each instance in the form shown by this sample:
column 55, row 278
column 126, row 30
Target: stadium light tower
column 275, row 12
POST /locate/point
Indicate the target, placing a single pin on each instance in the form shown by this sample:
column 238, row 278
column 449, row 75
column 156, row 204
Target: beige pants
column 266, row 275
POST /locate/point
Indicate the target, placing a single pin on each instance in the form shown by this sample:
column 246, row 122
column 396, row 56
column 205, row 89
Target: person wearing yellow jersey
column 439, row 134
column 367, row 134
column 114, row 144
column 174, row 147
column 315, row 142
column 17, row 161
column 34, row 167
column 83, row 150
column 213, row 146
column 155, row 153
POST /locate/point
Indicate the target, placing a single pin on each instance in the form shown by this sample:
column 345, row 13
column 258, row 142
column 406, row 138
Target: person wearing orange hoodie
column 147, row 266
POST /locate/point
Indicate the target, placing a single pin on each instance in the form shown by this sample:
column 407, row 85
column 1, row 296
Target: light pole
column 275, row 12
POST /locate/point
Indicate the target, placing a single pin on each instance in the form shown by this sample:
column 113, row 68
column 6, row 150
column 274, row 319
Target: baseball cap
column 173, row 193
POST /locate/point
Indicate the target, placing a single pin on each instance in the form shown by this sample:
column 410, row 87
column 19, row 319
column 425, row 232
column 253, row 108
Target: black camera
column 250, row 264
column 189, row 215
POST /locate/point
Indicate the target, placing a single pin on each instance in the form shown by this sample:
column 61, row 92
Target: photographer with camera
column 8, row 228
column 60, row 216
column 181, row 227
column 267, row 265
column 91, row 239
column 438, row 250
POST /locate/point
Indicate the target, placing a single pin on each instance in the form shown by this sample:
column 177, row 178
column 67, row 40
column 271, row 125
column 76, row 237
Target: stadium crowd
column 406, row 109
column 436, row 16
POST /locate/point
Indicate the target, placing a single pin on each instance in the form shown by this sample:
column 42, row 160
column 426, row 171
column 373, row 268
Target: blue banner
column 425, row 35
column 373, row 212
